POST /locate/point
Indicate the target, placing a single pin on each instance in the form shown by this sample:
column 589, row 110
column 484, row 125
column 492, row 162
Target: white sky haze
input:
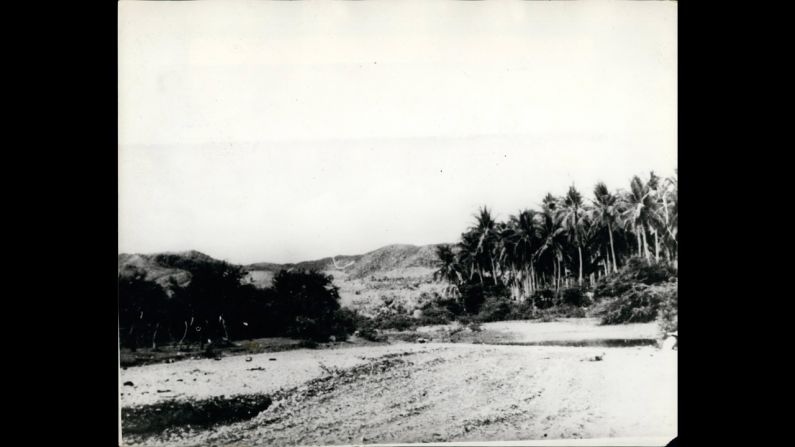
column 289, row 131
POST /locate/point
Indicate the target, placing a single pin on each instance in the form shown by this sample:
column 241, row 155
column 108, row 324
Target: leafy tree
column 142, row 306
column 308, row 301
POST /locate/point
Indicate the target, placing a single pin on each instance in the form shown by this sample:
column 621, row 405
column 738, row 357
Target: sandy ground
column 438, row 392
column 234, row 375
column 572, row 329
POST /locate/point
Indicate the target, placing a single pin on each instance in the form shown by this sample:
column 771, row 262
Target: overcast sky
column 288, row 131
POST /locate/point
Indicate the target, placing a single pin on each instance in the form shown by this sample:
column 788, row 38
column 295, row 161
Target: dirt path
column 452, row 392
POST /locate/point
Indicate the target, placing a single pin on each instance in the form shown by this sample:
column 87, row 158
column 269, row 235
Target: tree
column 142, row 309
column 523, row 239
column 668, row 194
column 308, row 302
column 573, row 218
column 552, row 240
column 606, row 213
column 485, row 232
column 448, row 269
column 637, row 212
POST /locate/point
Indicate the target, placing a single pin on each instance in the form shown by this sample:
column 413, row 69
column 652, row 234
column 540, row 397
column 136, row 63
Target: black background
column 62, row 210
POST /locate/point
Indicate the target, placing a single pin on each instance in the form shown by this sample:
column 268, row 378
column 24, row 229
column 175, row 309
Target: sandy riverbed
column 407, row 392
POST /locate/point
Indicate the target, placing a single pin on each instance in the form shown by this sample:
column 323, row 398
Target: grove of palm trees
column 574, row 245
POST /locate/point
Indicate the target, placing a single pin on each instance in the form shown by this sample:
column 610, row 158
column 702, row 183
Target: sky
column 289, row 131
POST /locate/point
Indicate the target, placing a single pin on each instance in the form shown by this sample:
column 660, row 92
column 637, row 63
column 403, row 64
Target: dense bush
column 368, row 332
column 561, row 311
column 523, row 311
column 435, row 315
column 574, row 296
column 472, row 297
column 640, row 304
column 637, row 271
column 544, row 298
column 215, row 306
column 669, row 312
column 440, row 311
column 495, row 309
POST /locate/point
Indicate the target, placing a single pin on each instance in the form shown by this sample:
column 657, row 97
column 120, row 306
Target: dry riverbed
column 412, row 392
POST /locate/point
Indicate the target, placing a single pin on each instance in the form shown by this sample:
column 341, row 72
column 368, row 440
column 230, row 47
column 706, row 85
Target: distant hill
column 398, row 270
column 161, row 267
column 382, row 261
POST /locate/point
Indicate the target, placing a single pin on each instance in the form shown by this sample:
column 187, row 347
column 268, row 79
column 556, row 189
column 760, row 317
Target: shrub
column 344, row 322
column 472, row 297
column 637, row 271
column 495, row 309
column 371, row 334
column 651, row 272
column 640, row 304
column 400, row 322
column 452, row 305
column 544, row 298
column 440, row 311
column 521, row 311
column 561, row 311
column 435, row 315
column 669, row 312
column 574, row 296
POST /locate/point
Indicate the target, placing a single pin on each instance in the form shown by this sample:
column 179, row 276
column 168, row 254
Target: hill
column 162, row 267
column 398, row 273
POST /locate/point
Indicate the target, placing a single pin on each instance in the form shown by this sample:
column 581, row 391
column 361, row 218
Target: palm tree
column 636, row 212
column 573, row 217
column 534, row 249
column 449, row 269
column 668, row 195
column 606, row 212
column 655, row 204
column 506, row 258
column 486, row 232
column 467, row 258
column 525, row 239
column 551, row 238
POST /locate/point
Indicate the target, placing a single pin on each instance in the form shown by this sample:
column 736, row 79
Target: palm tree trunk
column 612, row 249
column 645, row 243
column 656, row 247
column 640, row 242
column 556, row 274
column 154, row 336
column 579, row 251
column 226, row 332
column 183, row 334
